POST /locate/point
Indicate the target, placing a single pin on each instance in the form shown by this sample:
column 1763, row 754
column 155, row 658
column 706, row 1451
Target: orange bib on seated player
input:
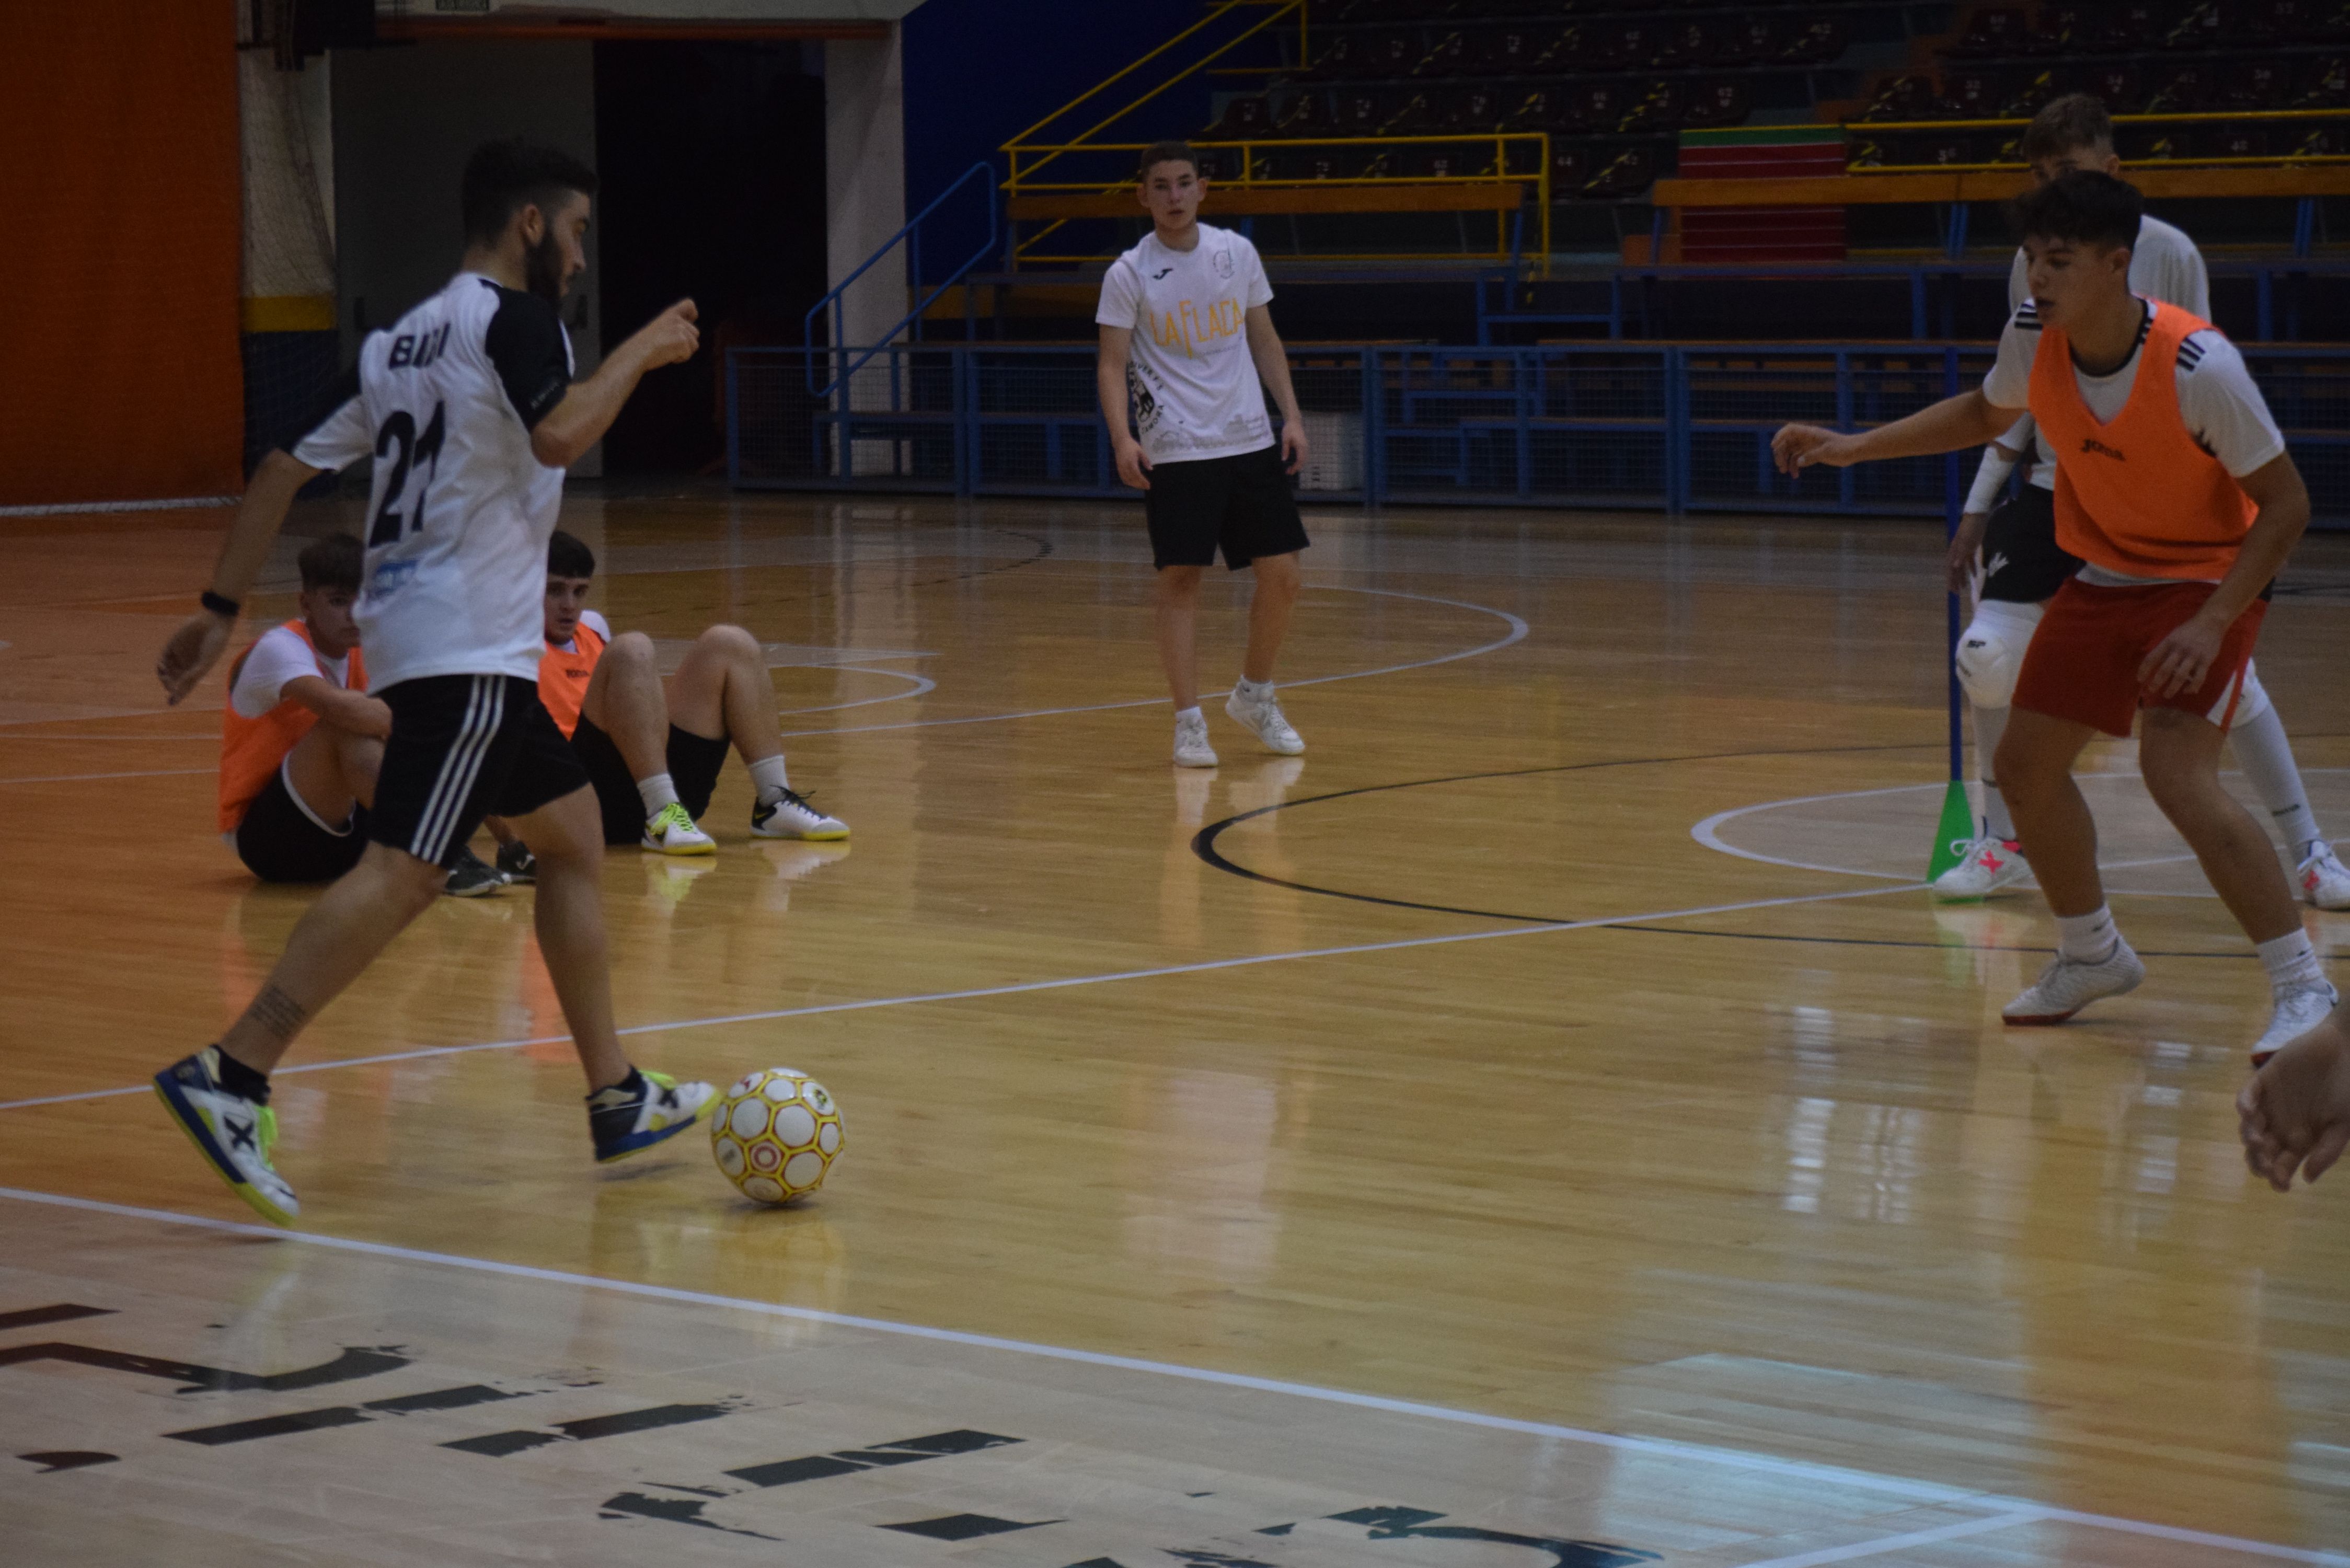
column 2136, row 494
column 562, row 677
column 252, row 749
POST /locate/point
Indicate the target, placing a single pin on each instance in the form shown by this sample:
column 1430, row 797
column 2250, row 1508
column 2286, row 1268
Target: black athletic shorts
column 694, row 765
column 1241, row 504
column 280, row 842
column 2021, row 564
column 463, row 747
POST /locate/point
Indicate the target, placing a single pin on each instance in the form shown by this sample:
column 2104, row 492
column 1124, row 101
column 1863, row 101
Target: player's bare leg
column 352, row 922
column 2034, row 765
column 567, row 835
column 721, row 691
column 1176, row 596
column 624, row 699
column 2178, row 753
column 334, row 770
column 627, row 1110
column 1252, row 704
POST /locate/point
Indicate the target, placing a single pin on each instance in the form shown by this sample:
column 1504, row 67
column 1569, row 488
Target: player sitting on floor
column 300, row 739
column 2176, row 492
column 652, row 756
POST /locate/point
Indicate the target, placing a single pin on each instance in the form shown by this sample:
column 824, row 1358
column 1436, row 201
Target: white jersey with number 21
column 461, row 508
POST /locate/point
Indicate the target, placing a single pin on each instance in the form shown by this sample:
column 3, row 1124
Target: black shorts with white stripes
column 463, row 747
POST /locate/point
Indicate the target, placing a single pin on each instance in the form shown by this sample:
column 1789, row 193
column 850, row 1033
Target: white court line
column 921, row 684
column 82, row 778
column 1860, row 1549
column 2010, row 1510
column 1517, row 633
column 75, row 508
column 1022, row 987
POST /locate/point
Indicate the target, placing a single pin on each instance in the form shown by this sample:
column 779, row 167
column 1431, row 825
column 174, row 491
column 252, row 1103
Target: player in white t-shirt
column 468, row 408
column 2007, row 552
column 1188, row 353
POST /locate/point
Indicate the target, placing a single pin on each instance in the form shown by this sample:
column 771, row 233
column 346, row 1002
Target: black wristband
column 214, row 602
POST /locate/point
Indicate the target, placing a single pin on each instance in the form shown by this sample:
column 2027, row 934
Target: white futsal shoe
column 1260, row 715
column 2322, row 881
column 2299, row 1010
column 2068, row 985
column 1990, row 866
column 671, row 831
column 232, row 1134
column 1192, row 748
column 788, row 814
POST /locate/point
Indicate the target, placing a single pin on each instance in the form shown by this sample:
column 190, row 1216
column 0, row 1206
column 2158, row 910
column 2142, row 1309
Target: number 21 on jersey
column 415, row 451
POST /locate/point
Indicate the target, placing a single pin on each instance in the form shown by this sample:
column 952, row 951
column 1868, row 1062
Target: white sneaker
column 2068, row 985
column 625, row 1122
column 789, row 816
column 2322, row 881
column 1990, row 865
column 670, row 831
column 1192, row 748
column 2299, row 1010
column 1263, row 717
column 230, row 1132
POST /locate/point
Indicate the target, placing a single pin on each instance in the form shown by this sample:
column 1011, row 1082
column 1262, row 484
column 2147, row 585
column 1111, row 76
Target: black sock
column 632, row 1085
column 242, row 1081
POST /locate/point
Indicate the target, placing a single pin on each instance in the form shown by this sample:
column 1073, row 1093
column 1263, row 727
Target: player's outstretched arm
column 1272, row 370
column 192, row 650
column 1109, row 390
column 1968, row 419
column 588, row 409
column 2294, row 1113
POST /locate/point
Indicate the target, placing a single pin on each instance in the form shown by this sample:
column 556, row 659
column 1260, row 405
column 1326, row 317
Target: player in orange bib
column 2174, row 489
column 653, row 754
column 300, row 739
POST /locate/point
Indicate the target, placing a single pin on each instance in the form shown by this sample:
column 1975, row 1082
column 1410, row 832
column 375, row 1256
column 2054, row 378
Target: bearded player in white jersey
column 2006, row 551
column 1188, row 354
column 468, row 408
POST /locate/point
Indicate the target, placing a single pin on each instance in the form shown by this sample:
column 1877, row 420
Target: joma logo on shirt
column 2091, row 443
column 1189, row 326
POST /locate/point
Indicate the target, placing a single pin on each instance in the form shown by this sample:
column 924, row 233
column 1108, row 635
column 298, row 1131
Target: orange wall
column 120, row 241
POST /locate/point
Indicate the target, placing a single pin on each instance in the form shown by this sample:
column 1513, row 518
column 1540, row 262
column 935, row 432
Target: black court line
column 1203, row 844
column 64, row 1311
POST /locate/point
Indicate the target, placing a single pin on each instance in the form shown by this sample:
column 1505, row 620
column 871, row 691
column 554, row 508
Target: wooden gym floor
column 1545, row 1123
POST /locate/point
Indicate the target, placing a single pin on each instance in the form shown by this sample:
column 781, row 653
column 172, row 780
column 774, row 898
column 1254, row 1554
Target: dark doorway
column 713, row 162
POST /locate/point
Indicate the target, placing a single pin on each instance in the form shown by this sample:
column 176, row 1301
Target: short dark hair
column 2081, row 205
column 2063, row 124
column 567, row 555
column 1159, row 153
column 334, row 562
column 501, row 178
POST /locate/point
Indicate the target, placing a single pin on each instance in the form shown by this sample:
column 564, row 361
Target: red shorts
column 2084, row 655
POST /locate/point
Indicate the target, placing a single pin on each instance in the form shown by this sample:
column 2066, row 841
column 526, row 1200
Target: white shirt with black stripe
column 460, row 510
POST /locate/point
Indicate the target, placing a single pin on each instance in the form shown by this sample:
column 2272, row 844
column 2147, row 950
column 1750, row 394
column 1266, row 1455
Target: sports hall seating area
column 1613, row 84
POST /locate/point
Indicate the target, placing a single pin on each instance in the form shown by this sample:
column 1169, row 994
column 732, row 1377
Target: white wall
column 865, row 180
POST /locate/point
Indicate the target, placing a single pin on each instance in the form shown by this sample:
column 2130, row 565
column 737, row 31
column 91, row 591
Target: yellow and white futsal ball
column 776, row 1135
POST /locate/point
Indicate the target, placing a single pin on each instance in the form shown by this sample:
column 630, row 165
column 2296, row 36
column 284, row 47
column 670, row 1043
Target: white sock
column 768, row 777
column 2087, row 939
column 2266, row 757
column 1989, row 725
column 657, row 791
column 1249, row 690
column 2291, row 961
column 1183, row 714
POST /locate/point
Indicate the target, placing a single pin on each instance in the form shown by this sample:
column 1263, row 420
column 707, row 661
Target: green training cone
column 1954, row 832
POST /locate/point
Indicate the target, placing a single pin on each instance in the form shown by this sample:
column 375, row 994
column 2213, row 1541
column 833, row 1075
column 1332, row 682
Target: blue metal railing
column 1676, row 428
column 911, row 236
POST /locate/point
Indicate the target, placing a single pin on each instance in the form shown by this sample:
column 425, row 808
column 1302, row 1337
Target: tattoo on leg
column 277, row 1013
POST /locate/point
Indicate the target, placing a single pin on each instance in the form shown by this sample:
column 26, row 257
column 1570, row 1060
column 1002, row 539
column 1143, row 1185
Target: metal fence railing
column 1674, row 428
